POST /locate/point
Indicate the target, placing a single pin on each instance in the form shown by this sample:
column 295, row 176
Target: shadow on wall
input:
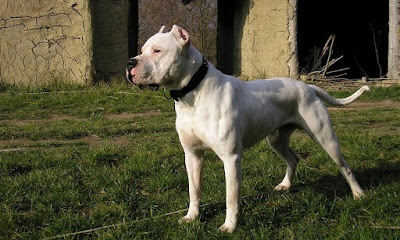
column 112, row 33
column 231, row 20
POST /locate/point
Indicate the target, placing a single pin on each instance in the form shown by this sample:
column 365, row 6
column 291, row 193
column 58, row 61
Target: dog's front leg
column 233, row 178
column 194, row 168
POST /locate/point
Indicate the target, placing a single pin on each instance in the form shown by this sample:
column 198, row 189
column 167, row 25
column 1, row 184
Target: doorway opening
column 361, row 36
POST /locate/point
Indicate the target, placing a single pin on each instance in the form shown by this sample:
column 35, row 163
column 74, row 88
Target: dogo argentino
column 222, row 113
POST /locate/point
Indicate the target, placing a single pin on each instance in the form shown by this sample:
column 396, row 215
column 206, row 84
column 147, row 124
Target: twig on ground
column 339, row 70
column 12, row 149
column 385, row 227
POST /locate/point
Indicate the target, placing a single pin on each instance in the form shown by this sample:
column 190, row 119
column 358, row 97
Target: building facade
column 84, row 41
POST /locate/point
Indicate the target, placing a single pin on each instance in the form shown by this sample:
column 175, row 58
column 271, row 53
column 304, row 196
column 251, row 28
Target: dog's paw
column 281, row 187
column 229, row 228
column 358, row 195
column 187, row 219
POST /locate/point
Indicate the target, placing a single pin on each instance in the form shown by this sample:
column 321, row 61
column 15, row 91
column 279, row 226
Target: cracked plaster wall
column 45, row 39
column 267, row 47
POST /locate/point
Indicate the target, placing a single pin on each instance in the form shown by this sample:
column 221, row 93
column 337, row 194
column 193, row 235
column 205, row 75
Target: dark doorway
column 361, row 29
column 133, row 28
column 225, row 36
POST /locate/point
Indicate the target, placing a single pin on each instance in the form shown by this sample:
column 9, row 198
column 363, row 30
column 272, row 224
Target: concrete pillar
column 268, row 42
column 394, row 38
column 264, row 38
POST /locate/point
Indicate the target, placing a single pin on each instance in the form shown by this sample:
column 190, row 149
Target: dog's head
column 163, row 60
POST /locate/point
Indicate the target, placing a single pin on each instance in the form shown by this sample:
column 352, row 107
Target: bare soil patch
column 364, row 105
column 132, row 115
column 51, row 118
column 54, row 118
column 92, row 140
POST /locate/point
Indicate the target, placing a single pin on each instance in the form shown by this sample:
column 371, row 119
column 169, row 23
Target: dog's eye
column 155, row 51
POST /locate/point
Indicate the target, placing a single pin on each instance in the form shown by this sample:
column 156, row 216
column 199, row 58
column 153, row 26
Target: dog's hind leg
column 318, row 125
column 279, row 142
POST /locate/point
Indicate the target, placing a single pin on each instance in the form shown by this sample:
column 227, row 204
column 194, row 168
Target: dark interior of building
column 361, row 29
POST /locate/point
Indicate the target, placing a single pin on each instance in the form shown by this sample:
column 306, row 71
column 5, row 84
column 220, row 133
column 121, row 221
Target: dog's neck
column 197, row 67
column 194, row 63
column 193, row 83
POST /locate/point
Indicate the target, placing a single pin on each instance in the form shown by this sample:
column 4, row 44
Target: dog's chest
column 190, row 126
column 199, row 128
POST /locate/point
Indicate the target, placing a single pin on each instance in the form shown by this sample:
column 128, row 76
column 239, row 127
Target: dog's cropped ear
column 180, row 34
column 161, row 29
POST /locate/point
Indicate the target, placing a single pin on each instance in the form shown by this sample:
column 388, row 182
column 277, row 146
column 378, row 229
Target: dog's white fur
column 226, row 115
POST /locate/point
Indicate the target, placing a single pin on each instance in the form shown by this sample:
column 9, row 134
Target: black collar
column 193, row 83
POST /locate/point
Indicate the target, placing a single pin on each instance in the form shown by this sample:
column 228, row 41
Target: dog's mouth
column 152, row 87
column 132, row 79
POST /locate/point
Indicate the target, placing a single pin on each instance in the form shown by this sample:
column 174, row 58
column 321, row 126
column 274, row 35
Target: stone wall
column 41, row 40
column 266, row 38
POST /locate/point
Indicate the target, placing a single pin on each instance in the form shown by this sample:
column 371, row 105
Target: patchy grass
column 375, row 94
column 96, row 156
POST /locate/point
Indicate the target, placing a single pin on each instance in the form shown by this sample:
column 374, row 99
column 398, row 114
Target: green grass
column 90, row 157
column 376, row 93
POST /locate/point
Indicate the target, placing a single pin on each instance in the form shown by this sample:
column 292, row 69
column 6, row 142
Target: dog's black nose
column 132, row 63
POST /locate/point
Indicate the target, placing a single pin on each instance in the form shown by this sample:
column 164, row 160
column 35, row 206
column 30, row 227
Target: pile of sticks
column 323, row 72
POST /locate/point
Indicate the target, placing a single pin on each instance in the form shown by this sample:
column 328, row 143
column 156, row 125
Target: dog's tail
column 321, row 93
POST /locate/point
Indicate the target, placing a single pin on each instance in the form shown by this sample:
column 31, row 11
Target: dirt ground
column 362, row 105
column 92, row 140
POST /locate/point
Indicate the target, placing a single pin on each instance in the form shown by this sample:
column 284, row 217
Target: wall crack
column 44, row 41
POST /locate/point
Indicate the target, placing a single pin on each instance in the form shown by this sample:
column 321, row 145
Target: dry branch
column 329, row 55
column 321, row 72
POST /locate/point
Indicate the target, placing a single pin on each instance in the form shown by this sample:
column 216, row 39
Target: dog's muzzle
column 131, row 64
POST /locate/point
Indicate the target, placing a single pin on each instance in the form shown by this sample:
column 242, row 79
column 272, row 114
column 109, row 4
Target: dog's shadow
column 331, row 186
column 369, row 178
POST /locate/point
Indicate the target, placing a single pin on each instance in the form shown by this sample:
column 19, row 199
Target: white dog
column 222, row 113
